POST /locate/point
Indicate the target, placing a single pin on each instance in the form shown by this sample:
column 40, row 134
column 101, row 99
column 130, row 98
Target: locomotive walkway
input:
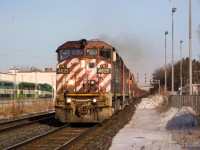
column 144, row 132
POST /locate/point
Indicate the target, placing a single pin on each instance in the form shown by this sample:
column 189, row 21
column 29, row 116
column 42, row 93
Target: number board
column 103, row 70
column 62, row 71
column 63, row 66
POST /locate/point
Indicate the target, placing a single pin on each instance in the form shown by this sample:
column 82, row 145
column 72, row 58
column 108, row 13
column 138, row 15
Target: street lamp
column 190, row 45
column 166, row 32
column 173, row 11
column 181, row 66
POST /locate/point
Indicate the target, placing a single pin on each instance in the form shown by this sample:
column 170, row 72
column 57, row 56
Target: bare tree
column 29, row 69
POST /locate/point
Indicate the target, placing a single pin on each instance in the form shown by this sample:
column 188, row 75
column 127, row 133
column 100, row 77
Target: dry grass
column 17, row 109
column 163, row 107
column 187, row 138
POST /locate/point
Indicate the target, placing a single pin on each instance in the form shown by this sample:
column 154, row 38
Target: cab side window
column 105, row 54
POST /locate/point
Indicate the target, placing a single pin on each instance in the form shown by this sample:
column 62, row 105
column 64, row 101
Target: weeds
column 21, row 108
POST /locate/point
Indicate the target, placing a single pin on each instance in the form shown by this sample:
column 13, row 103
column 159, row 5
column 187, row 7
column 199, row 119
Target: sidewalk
column 144, row 132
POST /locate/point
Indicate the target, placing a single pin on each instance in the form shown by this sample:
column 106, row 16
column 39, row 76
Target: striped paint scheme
column 81, row 74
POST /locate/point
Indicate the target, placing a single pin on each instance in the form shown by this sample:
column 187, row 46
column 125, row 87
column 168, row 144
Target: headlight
column 69, row 100
column 94, row 100
column 92, row 82
column 71, row 82
column 82, row 63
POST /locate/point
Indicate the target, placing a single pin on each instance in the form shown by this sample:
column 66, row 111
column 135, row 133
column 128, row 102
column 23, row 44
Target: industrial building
column 16, row 76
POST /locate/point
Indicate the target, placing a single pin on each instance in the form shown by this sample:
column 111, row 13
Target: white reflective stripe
column 108, row 88
column 104, row 81
column 65, row 79
column 94, row 70
column 59, row 86
column 80, row 74
column 68, row 75
column 59, row 76
column 79, row 86
column 72, row 72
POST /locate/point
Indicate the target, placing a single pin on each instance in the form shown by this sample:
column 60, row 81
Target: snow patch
column 152, row 102
column 182, row 118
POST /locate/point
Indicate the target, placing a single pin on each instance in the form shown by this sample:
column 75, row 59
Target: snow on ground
column 182, row 118
column 150, row 130
column 152, row 102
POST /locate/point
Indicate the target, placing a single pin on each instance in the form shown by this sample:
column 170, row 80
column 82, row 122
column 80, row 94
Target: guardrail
column 179, row 101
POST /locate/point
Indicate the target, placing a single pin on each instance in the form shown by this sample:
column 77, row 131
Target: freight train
column 9, row 90
column 93, row 82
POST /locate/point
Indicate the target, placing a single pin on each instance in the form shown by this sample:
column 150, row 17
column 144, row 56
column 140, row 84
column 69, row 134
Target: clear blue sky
column 31, row 30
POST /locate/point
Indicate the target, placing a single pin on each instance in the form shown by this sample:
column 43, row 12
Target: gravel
column 102, row 138
column 19, row 135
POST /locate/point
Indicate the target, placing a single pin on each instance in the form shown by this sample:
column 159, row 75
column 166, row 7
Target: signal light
column 154, row 77
column 145, row 78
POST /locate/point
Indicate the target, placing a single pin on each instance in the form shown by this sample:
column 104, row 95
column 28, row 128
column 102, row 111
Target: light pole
column 181, row 66
column 190, row 45
column 36, row 92
column 166, row 32
column 16, row 68
column 173, row 11
column 52, row 85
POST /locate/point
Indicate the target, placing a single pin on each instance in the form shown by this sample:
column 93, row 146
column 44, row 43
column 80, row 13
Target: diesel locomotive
column 92, row 82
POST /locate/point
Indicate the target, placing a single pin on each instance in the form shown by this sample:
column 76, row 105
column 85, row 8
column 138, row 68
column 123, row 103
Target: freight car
column 23, row 90
column 93, row 82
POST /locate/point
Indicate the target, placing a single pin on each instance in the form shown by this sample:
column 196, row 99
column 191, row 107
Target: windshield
column 105, row 54
column 91, row 52
column 65, row 53
column 77, row 52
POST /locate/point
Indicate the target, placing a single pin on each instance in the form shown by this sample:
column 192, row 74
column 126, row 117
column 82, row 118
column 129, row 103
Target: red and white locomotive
column 92, row 82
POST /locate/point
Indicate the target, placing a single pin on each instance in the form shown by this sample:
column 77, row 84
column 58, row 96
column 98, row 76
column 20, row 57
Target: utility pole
column 181, row 66
column 173, row 11
column 166, row 32
column 190, row 45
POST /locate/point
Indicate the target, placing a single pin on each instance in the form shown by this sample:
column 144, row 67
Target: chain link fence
column 179, row 101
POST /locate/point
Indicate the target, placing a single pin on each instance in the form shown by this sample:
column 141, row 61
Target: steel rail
column 26, row 118
column 58, row 139
column 14, row 124
column 76, row 139
column 13, row 127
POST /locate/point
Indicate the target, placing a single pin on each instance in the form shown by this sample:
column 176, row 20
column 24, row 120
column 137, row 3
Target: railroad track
column 14, row 124
column 60, row 138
